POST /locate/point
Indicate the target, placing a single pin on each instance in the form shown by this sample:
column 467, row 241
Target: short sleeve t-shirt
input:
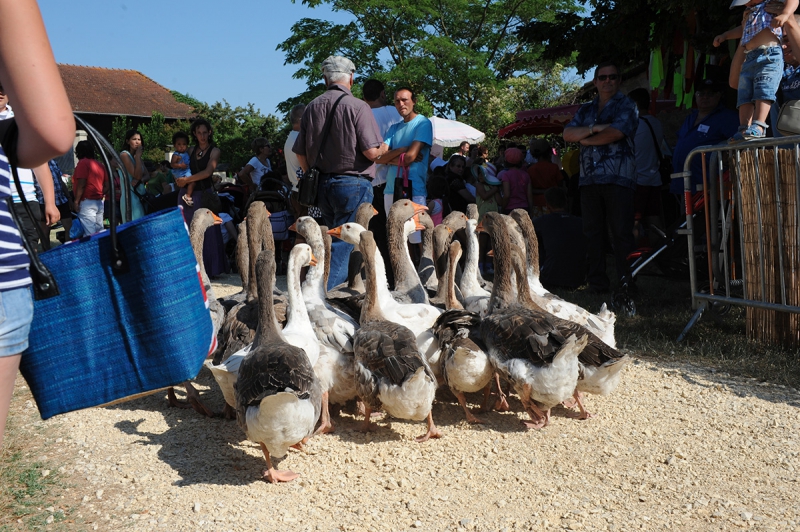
column 544, row 175
column 403, row 134
column 386, row 117
column 95, row 176
column 258, row 170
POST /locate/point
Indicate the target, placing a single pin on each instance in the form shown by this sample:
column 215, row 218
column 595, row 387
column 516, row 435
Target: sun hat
column 337, row 63
column 737, row 3
column 513, row 156
column 489, row 172
column 709, row 84
column 437, row 162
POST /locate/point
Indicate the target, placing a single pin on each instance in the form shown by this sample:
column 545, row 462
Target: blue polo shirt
column 720, row 125
column 403, row 134
column 613, row 163
column 790, row 85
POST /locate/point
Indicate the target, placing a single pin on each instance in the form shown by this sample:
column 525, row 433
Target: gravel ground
column 676, row 447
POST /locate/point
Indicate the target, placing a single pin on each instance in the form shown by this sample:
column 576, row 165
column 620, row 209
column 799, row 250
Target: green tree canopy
column 449, row 51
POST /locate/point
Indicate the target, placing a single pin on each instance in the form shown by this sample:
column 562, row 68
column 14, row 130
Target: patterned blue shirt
column 790, row 84
column 757, row 21
column 613, row 163
column 59, row 189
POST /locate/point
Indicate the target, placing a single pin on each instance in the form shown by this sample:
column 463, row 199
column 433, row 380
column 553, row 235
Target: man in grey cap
column 346, row 163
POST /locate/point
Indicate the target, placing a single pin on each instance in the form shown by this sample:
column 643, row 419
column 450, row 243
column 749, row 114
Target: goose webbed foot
column 194, row 400
column 300, row 446
column 273, row 475
column 433, row 432
column 174, row 401
column 501, row 405
column 326, row 425
column 463, row 402
column 360, row 409
column 228, row 412
column 539, row 419
column 583, row 414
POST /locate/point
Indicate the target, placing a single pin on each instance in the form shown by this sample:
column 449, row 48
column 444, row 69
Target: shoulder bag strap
column 655, row 141
column 326, row 128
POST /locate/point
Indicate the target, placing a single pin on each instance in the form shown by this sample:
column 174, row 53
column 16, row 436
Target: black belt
column 363, row 176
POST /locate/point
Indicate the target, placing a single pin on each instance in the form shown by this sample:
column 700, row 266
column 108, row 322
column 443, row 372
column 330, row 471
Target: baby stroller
column 275, row 195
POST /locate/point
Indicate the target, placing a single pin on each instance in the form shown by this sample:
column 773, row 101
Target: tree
column 449, row 51
column 627, row 30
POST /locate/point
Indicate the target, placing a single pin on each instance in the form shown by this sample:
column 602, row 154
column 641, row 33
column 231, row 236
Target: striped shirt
column 14, row 262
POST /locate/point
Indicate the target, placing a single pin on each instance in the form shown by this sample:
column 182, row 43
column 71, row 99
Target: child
column 762, row 68
column 180, row 163
column 437, row 191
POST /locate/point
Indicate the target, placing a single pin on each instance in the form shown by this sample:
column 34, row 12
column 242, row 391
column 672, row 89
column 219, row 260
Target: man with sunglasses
column 605, row 128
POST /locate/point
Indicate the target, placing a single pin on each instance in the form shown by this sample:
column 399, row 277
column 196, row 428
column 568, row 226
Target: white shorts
column 388, row 201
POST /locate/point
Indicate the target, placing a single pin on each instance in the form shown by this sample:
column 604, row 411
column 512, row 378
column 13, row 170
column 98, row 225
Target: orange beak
column 419, row 208
column 293, row 227
column 336, row 231
column 419, row 226
column 491, row 253
column 480, row 229
column 374, row 211
column 313, row 260
column 268, row 213
column 217, row 219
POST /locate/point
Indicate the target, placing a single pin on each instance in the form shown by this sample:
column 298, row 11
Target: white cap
column 737, row 3
column 437, row 163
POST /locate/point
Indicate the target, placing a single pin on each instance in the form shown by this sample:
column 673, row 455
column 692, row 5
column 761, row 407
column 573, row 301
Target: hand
column 138, row 151
column 181, row 182
column 719, row 39
column 779, row 20
column 51, row 214
column 597, row 128
column 418, row 158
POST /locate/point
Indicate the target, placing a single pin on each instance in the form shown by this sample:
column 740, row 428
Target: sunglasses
column 612, row 77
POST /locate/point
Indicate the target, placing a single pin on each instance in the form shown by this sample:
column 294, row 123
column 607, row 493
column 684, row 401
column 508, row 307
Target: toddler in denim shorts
column 759, row 60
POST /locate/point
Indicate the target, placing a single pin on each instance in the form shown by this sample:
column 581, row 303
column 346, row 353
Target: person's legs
column 619, row 206
column 594, row 224
column 16, row 314
column 338, row 198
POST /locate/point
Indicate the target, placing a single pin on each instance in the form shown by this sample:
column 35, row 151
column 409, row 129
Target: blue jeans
column 761, row 75
column 338, row 198
column 16, row 315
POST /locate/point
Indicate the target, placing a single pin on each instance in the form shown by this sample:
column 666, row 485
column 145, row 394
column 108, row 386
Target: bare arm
column 786, row 13
column 606, row 136
column 735, row 33
column 204, row 174
column 51, row 214
column 413, row 154
column 303, row 161
column 374, row 153
column 244, row 174
column 133, row 166
column 29, row 74
column 176, row 162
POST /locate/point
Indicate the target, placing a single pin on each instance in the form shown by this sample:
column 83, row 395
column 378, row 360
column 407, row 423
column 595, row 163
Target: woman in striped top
column 29, row 74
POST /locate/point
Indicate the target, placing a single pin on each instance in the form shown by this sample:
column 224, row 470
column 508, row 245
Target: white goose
column 476, row 298
column 277, row 393
column 465, row 364
column 390, row 371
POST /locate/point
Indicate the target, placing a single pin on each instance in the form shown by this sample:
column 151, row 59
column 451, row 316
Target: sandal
column 187, row 199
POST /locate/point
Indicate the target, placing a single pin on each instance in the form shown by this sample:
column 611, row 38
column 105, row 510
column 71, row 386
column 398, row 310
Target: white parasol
column 450, row 134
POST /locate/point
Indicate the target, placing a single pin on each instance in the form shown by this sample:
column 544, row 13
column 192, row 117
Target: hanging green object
column 656, row 68
column 677, row 84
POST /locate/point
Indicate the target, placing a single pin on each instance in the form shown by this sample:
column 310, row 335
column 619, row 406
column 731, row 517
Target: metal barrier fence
column 749, row 230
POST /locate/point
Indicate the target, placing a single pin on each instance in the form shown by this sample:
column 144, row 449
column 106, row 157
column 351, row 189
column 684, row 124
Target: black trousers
column 378, row 227
column 607, row 208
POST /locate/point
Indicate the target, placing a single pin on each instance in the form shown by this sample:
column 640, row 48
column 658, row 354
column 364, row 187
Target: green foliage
column 626, row 30
column 155, row 137
column 498, row 105
column 119, row 126
column 449, row 51
column 188, row 99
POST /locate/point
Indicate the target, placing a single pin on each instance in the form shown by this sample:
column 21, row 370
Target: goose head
column 472, row 212
column 349, row 232
column 364, row 214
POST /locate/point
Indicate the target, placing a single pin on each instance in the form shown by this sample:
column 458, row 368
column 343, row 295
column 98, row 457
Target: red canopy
column 552, row 120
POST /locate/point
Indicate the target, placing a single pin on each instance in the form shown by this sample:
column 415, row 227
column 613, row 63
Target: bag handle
column 655, row 142
column 326, row 129
column 401, row 167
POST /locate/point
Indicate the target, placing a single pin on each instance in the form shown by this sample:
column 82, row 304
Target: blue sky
column 212, row 50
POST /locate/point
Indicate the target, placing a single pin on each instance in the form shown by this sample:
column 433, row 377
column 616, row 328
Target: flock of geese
column 283, row 358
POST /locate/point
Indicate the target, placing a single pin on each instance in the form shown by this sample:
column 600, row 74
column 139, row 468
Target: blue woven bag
column 118, row 314
column 111, row 335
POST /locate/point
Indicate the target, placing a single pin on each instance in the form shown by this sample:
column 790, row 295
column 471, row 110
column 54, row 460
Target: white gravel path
column 676, row 447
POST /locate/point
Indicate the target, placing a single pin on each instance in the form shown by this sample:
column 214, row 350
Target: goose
column 465, row 364
column 277, row 393
column 390, row 372
column 407, row 285
column 243, row 265
column 426, row 268
column 601, row 324
column 418, row 317
column 333, row 327
column 524, row 345
column 202, row 220
column 476, row 298
column 600, row 365
column 455, row 221
column 473, row 214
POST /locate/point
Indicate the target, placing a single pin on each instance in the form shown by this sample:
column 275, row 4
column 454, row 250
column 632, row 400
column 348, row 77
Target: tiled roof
column 118, row 92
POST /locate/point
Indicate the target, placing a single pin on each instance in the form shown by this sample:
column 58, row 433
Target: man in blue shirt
column 412, row 137
column 605, row 128
column 709, row 124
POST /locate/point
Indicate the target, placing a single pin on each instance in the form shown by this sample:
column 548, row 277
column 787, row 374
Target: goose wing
column 522, row 333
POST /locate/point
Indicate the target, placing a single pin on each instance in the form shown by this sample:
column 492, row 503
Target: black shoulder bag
column 664, row 163
column 309, row 184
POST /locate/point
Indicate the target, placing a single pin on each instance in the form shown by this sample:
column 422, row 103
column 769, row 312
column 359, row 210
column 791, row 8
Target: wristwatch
column 591, row 128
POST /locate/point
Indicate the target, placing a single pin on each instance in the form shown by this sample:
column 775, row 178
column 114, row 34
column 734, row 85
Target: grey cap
column 337, row 63
column 737, row 3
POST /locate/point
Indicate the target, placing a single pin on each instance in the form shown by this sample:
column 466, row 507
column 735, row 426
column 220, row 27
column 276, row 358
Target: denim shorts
column 761, row 75
column 16, row 315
